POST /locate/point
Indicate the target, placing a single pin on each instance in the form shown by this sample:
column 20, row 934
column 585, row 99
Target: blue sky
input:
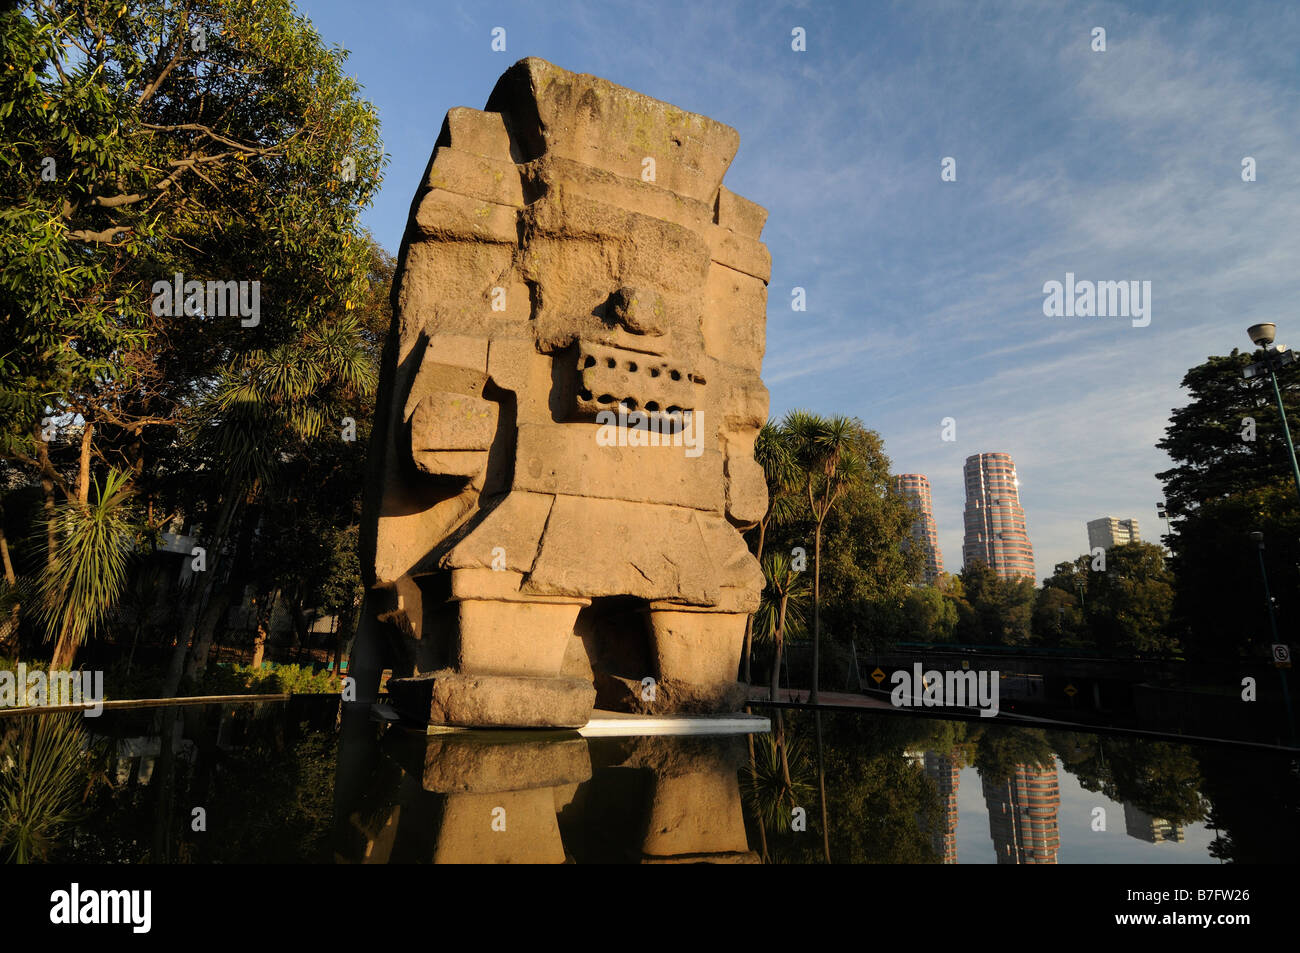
column 925, row 297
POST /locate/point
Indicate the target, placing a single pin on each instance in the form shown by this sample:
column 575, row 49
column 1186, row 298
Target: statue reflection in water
column 528, row 797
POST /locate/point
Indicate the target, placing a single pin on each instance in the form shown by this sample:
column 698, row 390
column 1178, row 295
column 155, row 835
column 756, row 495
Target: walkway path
column 799, row 696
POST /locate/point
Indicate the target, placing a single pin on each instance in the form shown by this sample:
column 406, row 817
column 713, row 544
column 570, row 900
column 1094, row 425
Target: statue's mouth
column 614, row 377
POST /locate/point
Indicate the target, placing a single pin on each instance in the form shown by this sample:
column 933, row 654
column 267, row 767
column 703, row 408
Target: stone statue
column 563, row 451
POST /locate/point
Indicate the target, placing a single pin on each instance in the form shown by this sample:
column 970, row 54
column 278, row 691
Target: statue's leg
column 506, row 669
column 517, row 637
column 697, row 653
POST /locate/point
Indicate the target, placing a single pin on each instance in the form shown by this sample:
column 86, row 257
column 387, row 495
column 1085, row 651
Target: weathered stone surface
column 690, row 792
column 493, row 701
column 567, row 459
column 516, row 637
column 492, row 180
column 527, row 831
column 472, row 764
column 617, row 693
column 568, row 407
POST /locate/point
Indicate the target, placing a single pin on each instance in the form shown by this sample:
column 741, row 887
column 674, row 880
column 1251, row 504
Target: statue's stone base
column 670, row 696
column 493, row 701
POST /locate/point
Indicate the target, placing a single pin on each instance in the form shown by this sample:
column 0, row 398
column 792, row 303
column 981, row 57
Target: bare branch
column 116, row 201
column 107, row 235
column 152, row 88
column 224, row 140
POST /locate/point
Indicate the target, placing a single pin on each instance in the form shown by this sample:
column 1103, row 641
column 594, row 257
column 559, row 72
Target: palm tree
column 784, row 596
column 774, row 453
column 87, row 574
column 828, row 452
column 267, row 405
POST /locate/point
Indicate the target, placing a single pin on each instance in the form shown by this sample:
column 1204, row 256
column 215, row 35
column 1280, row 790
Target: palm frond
column 88, row 571
column 41, row 771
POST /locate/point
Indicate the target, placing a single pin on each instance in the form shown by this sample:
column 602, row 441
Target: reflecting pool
column 301, row 781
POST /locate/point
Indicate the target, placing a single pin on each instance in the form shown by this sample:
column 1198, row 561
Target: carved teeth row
column 611, row 377
column 633, row 367
column 629, row 403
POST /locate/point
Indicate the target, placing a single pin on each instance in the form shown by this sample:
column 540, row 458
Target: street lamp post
column 1262, row 336
column 1163, row 513
column 1258, row 537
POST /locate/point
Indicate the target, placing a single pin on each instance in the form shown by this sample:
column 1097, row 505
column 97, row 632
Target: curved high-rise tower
column 917, row 489
column 995, row 523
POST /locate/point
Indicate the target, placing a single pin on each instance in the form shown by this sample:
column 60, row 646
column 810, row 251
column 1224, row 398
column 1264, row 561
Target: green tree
column 88, row 572
column 1131, row 601
column 773, row 452
column 832, row 452
column 785, row 594
column 144, row 139
column 928, row 615
column 1058, row 620
column 997, row 611
column 1231, row 476
column 864, row 568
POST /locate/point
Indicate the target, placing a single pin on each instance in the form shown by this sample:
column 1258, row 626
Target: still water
column 296, row 782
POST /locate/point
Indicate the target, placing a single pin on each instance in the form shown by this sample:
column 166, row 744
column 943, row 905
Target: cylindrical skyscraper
column 917, row 489
column 995, row 523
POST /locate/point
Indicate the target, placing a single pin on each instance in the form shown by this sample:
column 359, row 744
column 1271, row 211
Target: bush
column 268, row 680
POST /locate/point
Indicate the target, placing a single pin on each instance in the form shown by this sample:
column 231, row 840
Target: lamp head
column 1262, row 334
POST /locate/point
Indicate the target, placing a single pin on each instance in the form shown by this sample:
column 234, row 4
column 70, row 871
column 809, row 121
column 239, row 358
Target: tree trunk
column 779, row 639
column 65, row 652
column 9, row 626
column 83, row 470
column 213, row 616
column 298, row 622
column 259, row 646
column 346, row 624
column 817, row 612
column 51, row 531
column 193, row 613
column 749, row 622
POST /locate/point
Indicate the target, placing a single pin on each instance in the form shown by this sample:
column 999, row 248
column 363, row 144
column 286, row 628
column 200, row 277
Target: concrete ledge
column 129, row 703
column 607, row 724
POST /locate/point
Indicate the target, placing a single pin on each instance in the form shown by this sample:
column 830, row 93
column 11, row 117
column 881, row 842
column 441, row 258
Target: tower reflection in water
column 1022, row 815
